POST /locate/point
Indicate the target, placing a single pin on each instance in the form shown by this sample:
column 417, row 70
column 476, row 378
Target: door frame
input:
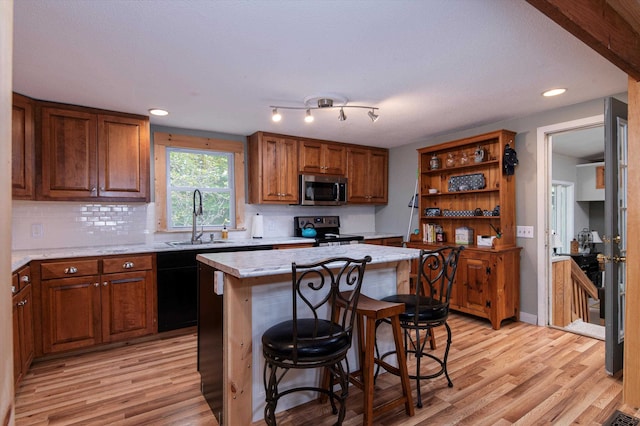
column 543, row 185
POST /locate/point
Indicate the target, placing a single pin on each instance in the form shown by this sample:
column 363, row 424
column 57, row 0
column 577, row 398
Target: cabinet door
column 70, row 313
column 25, row 314
column 22, row 148
column 335, row 159
column 69, row 154
column 279, row 164
column 127, row 305
column 311, row 157
column 123, row 157
column 17, row 353
column 367, row 173
column 357, row 175
column 474, row 291
column 378, row 179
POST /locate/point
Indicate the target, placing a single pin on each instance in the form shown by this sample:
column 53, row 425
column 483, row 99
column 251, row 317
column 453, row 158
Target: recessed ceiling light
column 554, row 92
column 159, row 112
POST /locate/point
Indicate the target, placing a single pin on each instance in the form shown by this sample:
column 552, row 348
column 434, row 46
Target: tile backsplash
column 50, row 224
column 71, row 224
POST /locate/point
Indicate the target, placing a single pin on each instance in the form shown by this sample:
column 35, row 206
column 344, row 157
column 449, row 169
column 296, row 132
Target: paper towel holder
column 257, row 226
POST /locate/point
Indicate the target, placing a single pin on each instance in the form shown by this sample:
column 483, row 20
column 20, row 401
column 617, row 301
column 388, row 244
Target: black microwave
column 320, row 190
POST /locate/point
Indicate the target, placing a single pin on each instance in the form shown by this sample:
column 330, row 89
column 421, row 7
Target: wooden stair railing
column 582, row 289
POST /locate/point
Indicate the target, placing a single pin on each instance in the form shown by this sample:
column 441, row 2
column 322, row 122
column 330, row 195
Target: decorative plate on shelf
column 466, row 182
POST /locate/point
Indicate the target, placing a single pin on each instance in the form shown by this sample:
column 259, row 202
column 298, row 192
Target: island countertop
column 276, row 262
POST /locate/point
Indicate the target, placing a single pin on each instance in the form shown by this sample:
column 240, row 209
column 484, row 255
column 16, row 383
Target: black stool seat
column 427, row 308
column 316, row 339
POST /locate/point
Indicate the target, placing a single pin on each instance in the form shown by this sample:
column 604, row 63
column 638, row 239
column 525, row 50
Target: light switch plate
column 524, row 231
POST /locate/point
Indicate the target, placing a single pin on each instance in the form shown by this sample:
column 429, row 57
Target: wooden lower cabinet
column 84, row 311
column 23, row 337
column 487, row 283
column 391, row 241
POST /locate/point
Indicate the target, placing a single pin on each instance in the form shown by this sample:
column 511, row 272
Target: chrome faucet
column 197, row 211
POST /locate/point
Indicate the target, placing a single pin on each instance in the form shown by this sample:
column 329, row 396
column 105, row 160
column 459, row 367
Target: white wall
column 6, row 319
column 402, row 176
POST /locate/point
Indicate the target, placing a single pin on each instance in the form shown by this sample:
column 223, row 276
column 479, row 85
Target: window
column 562, row 213
column 185, row 163
column 208, row 171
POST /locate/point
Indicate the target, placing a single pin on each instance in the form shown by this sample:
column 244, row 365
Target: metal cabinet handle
column 14, row 290
column 128, row 265
column 104, row 284
column 25, row 279
column 70, row 270
column 96, row 285
column 94, row 189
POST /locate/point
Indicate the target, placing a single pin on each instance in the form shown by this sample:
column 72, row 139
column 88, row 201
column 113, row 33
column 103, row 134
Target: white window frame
column 163, row 140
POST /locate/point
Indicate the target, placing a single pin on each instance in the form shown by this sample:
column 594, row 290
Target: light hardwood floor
column 520, row 374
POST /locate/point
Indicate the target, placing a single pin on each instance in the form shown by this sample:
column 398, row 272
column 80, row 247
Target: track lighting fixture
column 324, row 102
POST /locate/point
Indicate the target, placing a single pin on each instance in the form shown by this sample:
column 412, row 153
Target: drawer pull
column 71, row 270
column 127, row 265
column 104, row 284
column 14, row 289
column 25, row 279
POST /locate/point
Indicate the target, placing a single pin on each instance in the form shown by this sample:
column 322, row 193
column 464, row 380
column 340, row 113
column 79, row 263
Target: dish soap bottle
column 225, row 232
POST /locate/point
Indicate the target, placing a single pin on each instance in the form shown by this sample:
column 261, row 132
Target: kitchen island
column 254, row 291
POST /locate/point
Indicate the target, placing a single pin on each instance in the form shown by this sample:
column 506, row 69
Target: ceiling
column 585, row 144
column 431, row 67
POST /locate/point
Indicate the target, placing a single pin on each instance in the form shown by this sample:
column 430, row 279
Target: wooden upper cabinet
column 367, row 174
column 87, row 155
column 322, row 158
column 273, row 169
column 123, row 157
column 23, row 148
column 69, row 154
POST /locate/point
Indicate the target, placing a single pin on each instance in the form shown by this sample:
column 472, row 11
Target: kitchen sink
column 189, row 243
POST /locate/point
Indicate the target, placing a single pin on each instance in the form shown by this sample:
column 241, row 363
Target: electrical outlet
column 524, row 231
column 36, row 230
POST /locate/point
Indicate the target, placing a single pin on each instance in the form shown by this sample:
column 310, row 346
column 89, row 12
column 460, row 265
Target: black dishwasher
column 178, row 285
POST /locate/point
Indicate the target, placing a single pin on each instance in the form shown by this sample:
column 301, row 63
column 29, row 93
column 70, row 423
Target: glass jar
column 434, row 163
column 451, row 160
column 464, row 159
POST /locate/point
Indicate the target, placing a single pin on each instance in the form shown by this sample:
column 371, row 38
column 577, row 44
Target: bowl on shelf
column 433, row 191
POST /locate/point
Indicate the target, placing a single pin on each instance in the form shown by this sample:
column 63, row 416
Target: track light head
column 342, row 116
column 308, row 118
column 275, row 115
column 373, row 116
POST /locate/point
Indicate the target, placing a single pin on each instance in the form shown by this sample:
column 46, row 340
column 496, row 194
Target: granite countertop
column 256, row 264
column 20, row 258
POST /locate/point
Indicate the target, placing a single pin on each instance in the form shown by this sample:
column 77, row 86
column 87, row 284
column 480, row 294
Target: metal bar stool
column 368, row 312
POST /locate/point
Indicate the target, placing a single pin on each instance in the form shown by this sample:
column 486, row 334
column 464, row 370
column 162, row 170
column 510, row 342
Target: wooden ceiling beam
column 599, row 25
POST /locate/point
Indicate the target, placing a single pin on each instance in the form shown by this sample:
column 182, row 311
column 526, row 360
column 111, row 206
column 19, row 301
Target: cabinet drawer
column 127, row 263
column 69, row 268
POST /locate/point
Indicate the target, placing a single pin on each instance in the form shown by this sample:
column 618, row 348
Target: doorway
column 576, row 221
column 544, row 185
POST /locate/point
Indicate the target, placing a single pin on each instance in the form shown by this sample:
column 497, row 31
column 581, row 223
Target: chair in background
column 311, row 339
column 427, row 309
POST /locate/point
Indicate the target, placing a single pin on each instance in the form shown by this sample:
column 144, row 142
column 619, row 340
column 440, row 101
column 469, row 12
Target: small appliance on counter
column 327, row 230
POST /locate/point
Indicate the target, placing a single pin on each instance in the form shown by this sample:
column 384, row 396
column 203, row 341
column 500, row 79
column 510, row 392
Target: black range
column 327, row 229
